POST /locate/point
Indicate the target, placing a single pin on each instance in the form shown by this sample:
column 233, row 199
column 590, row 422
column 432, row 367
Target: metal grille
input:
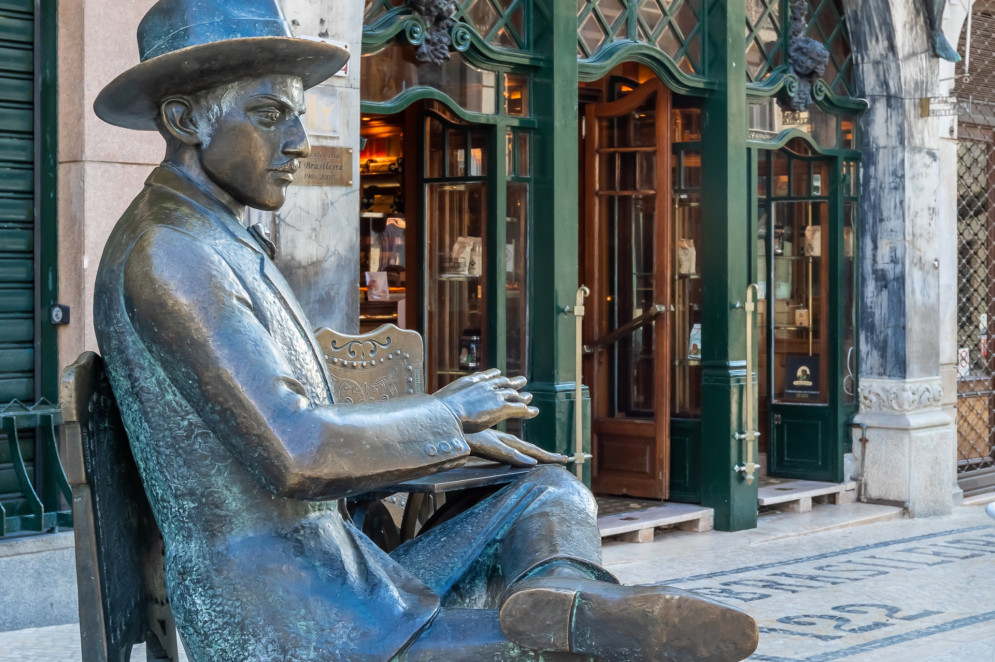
column 827, row 24
column 673, row 26
column 976, row 248
column 764, row 39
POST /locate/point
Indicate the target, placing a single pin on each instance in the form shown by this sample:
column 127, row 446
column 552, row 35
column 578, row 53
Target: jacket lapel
column 170, row 178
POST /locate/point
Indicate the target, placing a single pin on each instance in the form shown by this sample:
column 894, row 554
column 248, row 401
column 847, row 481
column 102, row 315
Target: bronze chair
column 119, row 550
column 386, row 363
column 382, row 364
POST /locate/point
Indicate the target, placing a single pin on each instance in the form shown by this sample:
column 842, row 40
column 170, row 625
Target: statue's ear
column 178, row 119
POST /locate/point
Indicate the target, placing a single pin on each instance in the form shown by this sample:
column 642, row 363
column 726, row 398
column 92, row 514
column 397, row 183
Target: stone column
column 911, row 438
column 317, row 231
column 101, row 167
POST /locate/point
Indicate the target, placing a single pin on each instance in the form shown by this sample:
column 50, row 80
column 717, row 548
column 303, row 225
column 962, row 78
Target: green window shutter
column 17, row 215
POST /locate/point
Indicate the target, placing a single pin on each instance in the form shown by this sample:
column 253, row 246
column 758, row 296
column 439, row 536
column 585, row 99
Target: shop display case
column 382, row 227
column 805, row 316
column 456, row 203
column 687, row 293
column 799, row 252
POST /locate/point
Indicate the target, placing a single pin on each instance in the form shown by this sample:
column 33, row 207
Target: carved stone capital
column 900, row 396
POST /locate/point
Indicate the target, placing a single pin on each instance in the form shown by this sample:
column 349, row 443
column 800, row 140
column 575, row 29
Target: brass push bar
column 749, row 467
column 636, row 323
column 579, row 455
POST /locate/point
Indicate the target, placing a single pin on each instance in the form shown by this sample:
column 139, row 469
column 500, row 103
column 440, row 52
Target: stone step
column 640, row 525
column 797, row 496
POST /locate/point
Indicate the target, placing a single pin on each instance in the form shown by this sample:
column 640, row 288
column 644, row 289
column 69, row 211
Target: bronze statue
column 244, row 457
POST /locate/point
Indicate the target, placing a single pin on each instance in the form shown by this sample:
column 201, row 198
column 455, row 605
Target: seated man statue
column 244, row 456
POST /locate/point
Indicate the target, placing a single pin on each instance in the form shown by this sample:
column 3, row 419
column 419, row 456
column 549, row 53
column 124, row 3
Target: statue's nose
column 297, row 143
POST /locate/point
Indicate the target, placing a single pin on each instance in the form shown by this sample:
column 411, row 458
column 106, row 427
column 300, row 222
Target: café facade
column 685, row 163
column 748, row 192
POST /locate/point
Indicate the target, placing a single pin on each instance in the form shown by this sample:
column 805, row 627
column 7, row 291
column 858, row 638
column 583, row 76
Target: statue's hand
column 484, row 399
column 503, row 447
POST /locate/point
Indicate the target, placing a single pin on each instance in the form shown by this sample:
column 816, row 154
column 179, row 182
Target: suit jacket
column 225, row 397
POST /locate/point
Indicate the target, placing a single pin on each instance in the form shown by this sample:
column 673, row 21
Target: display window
column 445, row 234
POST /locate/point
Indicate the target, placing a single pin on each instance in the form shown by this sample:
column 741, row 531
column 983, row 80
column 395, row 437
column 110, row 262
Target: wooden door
column 627, row 265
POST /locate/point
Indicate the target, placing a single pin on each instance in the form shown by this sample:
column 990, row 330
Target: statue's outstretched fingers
column 517, row 383
column 532, row 450
column 489, row 445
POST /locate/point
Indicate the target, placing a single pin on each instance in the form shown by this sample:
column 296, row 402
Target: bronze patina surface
column 243, row 454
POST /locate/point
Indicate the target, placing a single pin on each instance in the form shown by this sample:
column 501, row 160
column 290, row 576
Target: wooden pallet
column 640, row 525
column 797, row 496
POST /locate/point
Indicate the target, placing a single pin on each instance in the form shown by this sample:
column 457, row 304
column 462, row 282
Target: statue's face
column 253, row 150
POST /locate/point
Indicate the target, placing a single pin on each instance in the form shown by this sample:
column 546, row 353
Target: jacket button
column 445, row 447
column 431, row 450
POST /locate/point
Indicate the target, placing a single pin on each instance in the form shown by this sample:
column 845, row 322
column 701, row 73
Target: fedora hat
column 192, row 45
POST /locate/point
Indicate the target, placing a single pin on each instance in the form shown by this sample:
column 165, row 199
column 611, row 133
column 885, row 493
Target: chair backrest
column 119, row 550
column 379, row 365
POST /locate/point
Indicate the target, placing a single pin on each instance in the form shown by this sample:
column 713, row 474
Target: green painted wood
column 16, row 209
column 725, row 268
column 17, row 360
column 16, row 28
column 553, row 284
column 804, row 444
column 17, row 388
column 496, row 234
column 17, row 89
column 47, row 230
column 27, row 444
column 27, row 374
column 685, row 460
column 17, row 300
column 17, row 150
column 16, row 270
column 24, row 6
column 16, row 240
column 16, row 60
column 16, row 180
column 17, row 120
column 16, row 330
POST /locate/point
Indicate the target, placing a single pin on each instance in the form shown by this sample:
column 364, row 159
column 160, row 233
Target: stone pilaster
column 910, row 453
column 317, row 231
column 910, row 442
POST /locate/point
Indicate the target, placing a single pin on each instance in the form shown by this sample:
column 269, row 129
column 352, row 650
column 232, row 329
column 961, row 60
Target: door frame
column 596, row 322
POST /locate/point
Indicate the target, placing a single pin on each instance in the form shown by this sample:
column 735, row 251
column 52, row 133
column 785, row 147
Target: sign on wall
column 327, row 166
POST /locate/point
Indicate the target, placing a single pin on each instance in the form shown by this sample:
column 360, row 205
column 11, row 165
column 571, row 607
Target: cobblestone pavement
column 896, row 590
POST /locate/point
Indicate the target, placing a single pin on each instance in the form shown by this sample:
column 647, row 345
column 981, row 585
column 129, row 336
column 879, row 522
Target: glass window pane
column 687, row 124
column 516, row 273
column 849, row 371
column 686, row 340
column 435, row 153
column 456, row 165
column 632, row 223
column 516, row 95
column 524, row 155
column 478, row 151
column 800, row 306
column 393, row 70
column 456, row 301
column 691, row 170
